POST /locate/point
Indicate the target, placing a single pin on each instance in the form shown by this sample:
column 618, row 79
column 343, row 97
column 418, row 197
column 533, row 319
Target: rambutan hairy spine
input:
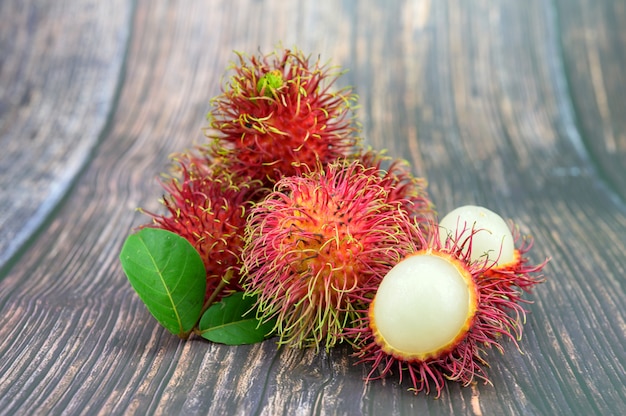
column 278, row 112
column 318, row 244
column 208, row 206
column 498, row 316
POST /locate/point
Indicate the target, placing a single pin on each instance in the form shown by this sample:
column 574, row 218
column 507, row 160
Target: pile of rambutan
column 337, row 242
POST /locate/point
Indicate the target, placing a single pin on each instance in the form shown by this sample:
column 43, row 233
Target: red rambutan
column 403, row 186
column 208, row 206
column 437, row 311
column 278, row 113
column 316, row 242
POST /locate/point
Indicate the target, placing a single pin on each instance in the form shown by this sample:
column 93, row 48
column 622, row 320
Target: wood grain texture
column 594, row 55
column 488, row 100
column 60, row 65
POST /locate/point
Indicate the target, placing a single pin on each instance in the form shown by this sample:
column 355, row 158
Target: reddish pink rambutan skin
column 266, row 130
column 208, row 207
column 403, row 185
column 520, row 273
column 498, row 315
column 520, row 276
column 318, row 244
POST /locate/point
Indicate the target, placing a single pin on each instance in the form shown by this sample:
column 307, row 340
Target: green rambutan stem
column 225, row 280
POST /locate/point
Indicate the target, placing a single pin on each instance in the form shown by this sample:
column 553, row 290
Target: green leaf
column 232, row 321
column 169, row 276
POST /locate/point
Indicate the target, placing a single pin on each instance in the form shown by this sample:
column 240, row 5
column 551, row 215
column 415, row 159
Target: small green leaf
column 232, row 321
column 169, row 276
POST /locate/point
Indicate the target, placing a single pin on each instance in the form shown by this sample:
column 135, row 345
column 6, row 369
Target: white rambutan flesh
column 423, row 306
column 490, row 235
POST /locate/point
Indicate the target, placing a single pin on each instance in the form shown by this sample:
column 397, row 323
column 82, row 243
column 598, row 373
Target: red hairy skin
column 318, row 243
column 278, row 113
column 498, row 316
column 208, row 207
column 520, row 276
column 403, row 185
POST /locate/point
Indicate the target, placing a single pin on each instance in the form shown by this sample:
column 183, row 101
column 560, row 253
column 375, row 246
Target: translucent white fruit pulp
column 422, row 305
column 492, row 239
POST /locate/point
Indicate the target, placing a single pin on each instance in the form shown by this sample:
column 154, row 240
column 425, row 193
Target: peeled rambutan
column 208, row 206
column 317, row 242
column 499, row 244
column 435, row 314
column 278, row 113
column 491, row 238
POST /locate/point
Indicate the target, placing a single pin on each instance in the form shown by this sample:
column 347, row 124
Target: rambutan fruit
column 491, row 238
column 318, row 244
column 435, row 314
column 403, row 185
column 208, row 206
column 278, row 113
column 498, row 243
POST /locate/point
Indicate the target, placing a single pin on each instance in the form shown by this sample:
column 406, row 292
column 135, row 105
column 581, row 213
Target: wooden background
column 516, row 105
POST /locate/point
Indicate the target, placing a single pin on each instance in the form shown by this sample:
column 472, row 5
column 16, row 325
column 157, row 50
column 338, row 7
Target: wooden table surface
column 516, row 105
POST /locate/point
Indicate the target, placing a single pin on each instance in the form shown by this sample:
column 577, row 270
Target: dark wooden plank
column 59, row 70
column 594, row 57
column 473, row 94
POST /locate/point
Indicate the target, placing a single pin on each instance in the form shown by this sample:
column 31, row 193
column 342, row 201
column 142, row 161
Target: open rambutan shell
column 493, row 313
column 497, row 243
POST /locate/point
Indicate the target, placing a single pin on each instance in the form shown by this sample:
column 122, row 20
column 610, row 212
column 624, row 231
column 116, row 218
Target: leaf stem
column 220, row 287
